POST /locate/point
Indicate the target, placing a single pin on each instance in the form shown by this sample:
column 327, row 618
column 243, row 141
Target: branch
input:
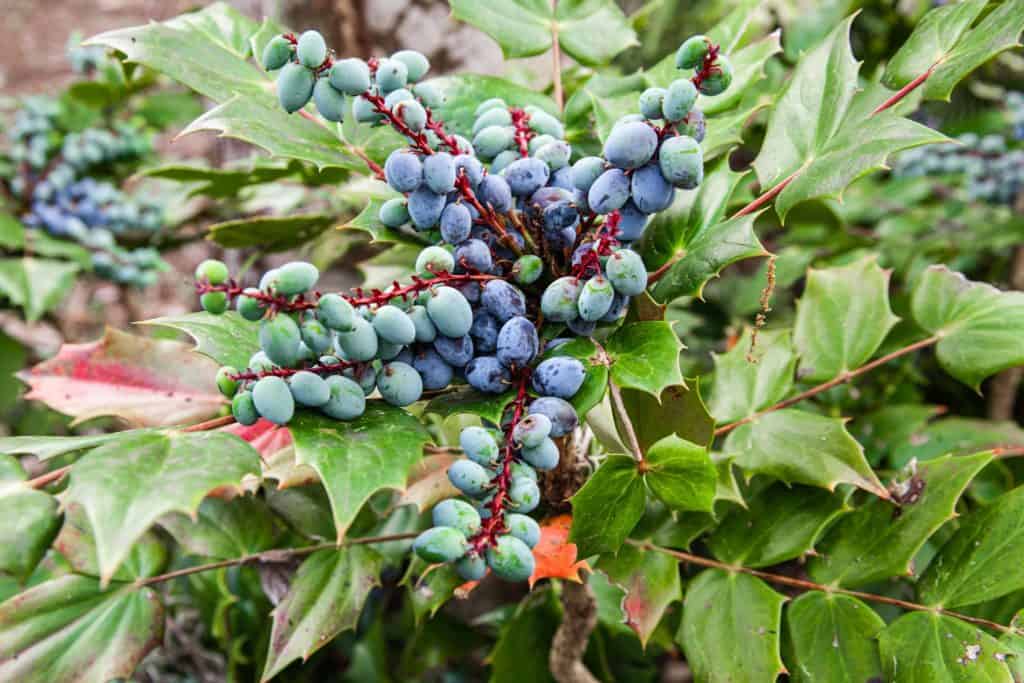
column 210, row 424
column 845, row 377
column 620, row 411
column 48, row 478
column 905, row 90
column 270, row 556
column 811, row 586
column 570, row 642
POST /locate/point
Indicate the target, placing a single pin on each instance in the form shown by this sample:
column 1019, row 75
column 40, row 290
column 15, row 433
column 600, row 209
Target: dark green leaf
column 270, row 233
column 608, row 506
column 37, row 286
column 833, row 638
column 463, row 93
column 923, row 647
column 228, row 339
column 225, row 529
column 529, row 630
column 645, row 356
column 681, row 474
column 878, row 540
column 744, row 384
column 76, row 543
column 31, row 521
column 679, row 410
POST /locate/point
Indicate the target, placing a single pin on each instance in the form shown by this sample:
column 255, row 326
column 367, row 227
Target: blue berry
column 273, row 400
column 479, row 445
column 485, row 331
column 311, row 49
column 316, row 336
column 360, row 343
column 440, row 544
column 336, row 313
column 630, row 145
column 595, row 298
column 439, row 172
column 393, row 325
column 470, row 166
column 309, row 389
column 469, row 477
column 692, row 52
column 457, row 514
column 348, row 399
column 494, row 190
column 650, row 102
column 471, row 567
column 294, row 86
column 524, row 494
column 403, row 171
column 450, row 312
column 416, row 64
column 391, row 75
column 350, row 76
column 475, row 255
column 526, row 176
column 524, row 528
column 544, row 456
column 329, row 102
column 679, row 100
column 719, row 79
column 280, row 337
column 400, row 384
column 434, row 259
column 650, row 191
column 609, row 192
column 561, row 413
column 531, row 431
column 425, row 207
column 558, row 303
column 276, row 53
column 511, row 559
column 456, row 223
column 243, row 409
column 456, row 351
column 394, row 213
column 487, row 374
column 626, row 272
column 425, row 330
column 502, row 300
column 517, row 342
column 561, row 376
column 434, row 371
column 681, row 162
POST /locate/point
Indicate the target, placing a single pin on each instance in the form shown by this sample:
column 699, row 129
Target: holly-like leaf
column 833, row 637
column 271, row 233
column 524, row 28
column 35, row 285
column 463, row 93
column 679, row 410
column 76, row 543
column 368, row 221
column 803, row 448
column 819, row 138
column 70, row 629
column 595, row 378
column 681, row 474
column 530, row 629
column 745, row 383
column 430, row 587
column 945, row 43
column 608, row 506
column 358, row 458
column 229, row 339
column 645, row 356
column 554, row 555
column 779, row 524
column 651, row 581
column 146, row 382
column 878, row 540
column 225, row 529
column 953, row 435
column 31, row 521
column 466, row 400
column 977, row 325
column 979, row 562
column 731, row 628
column 325, row 598
column 125, row 486
column 842, row 318
column 924, row 647
column 46, row 447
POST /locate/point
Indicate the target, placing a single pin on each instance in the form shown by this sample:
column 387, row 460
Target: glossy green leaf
column 225, row 529
column 833, row 638
column 842, row 318
column 977, row 324
column 980, row 562
column 745, row 383
column 228, row 338
column 356, row 459
column 681, row 474
column 819, row 139
column 645, row 356
column 944, row 39
column 524, row 28
column 802, row 448
column 956, row 436
column 924, row 647
column 780, row 523
column 126, row 485
column 45, row 447
column 731, row 628
column 679, row 410
column 469, row 401
column 31, row 521
column 608, row 506
column 76, row 544
column 270, row 233
column 12, row 232
column 368, row 221
column 463, row 93
column 651, row 581
column 34, row 285
column 878, row 540
column 70, row 630
column 325, row 598
column 430, row 587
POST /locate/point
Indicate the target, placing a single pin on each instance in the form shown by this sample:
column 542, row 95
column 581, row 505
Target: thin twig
column 841, row 379
column 620, row 411
column 768, row 196
column 905, row 90
column 48, row 478
column 210, row 424
column 272, row 556
column 811, row 586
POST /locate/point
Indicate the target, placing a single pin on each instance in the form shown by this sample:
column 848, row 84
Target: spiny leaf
column 608, row 506
column 645, row 356
column 924, row 647
column 270, row 233
column 833, row 638
column 681, row 474
column 651, row 581
column 229, row 339
column 31, row 521
column 744, row 385
column 225, row 529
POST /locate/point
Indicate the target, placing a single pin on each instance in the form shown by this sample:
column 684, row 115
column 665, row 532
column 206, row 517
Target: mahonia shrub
column 499, row 415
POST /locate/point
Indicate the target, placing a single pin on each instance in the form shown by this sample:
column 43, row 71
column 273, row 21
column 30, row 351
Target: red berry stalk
column 333, row 369
column 605, row 242
column 708, row 66
column 520, row 121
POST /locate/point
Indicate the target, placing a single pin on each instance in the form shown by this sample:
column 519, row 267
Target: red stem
column 905, row 90
column 494, row 526
column 521, row 121
column 333, row 369
column 708, row 66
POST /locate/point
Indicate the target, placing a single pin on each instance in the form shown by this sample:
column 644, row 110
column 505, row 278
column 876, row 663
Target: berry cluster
column 527, row 250
column 991, row 172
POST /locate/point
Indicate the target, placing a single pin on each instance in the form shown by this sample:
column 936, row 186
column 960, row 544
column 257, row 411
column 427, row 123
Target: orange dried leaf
column 554, row 555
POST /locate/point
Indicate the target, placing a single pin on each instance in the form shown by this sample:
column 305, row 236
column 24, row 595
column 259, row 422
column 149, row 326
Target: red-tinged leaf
column 146, row 382
column 428, row 482
column 651, row 582
column 554, row 555
column 265, row 436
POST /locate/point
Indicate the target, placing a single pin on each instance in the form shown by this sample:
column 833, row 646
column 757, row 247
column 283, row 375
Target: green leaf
column 356, row 459
column 977, row 324
column 368, row 221
column 878, row 540
column 923, row 647
column 953, row 435
column 530, row 629
column 943, row 39
column 833, row 638
column 222, row 183
column 325, row 598
column 842, row 318
column 37, row 286
column 264, row 124
column 271, row 233
column 731, row 626
column 70, row 629
column 469, row 401
column 463, row 93
column 819, row 137
column 76, row 543
column 12, row 232
column 229, row 339
column 46, row 447
column 608, row 506
column 980, row 562
column 743, row 384
column 651, row 581
column 429, row 590
column 31, row 521
column 679, row 410
column 803, row 448
column 524, row 28
column 595, row 379
column 781, row 523
column 125, row 486
column 645, row 356
column 224, row 529
column 681, row 474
